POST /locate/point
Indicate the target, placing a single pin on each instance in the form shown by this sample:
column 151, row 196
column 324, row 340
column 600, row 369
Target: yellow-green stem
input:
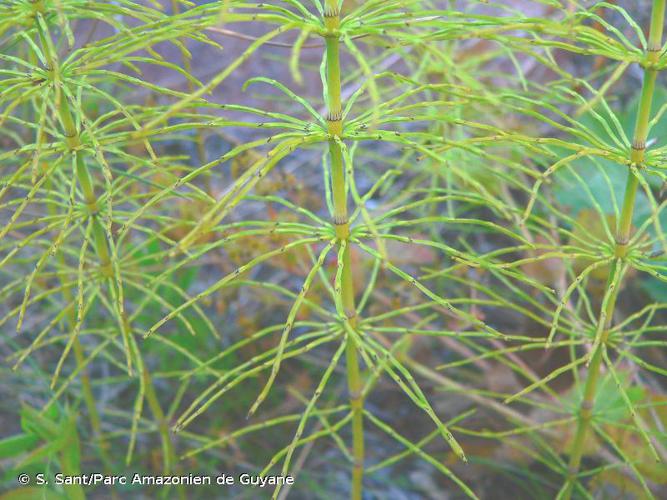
column 623, row 233
column 342, row 225
column 100, row 238
column 79, row 356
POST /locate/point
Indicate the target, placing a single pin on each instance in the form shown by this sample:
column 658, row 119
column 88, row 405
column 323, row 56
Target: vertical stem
column 101, row 243
column 355, row 389
column 623, row 231
column 79, row 355
column 86, row 386
column 342, row 226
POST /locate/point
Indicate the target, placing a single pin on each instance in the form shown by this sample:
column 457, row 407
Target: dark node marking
column 340, row 220
column 331, row 11
column 622, row 241
column 334, row 117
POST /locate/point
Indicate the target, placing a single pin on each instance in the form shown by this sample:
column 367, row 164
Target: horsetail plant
column 53, row 90
column 437, row 236
column 356, row 335
column 100, row 235
column 345, row 285
column 622, row 255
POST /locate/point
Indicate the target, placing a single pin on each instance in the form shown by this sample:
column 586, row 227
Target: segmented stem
column 342, row 226
column 622, row 238
column 79, row 356
column 101, row 243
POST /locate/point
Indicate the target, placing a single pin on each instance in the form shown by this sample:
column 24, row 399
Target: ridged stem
column 623, row 232
column 86, row 386
column 342, row 225
column 101, row 244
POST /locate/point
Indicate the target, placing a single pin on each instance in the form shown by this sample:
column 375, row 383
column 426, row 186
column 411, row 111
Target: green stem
column 86, row 386
column 342, row 226
column 101, row 242
column 623, row 231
